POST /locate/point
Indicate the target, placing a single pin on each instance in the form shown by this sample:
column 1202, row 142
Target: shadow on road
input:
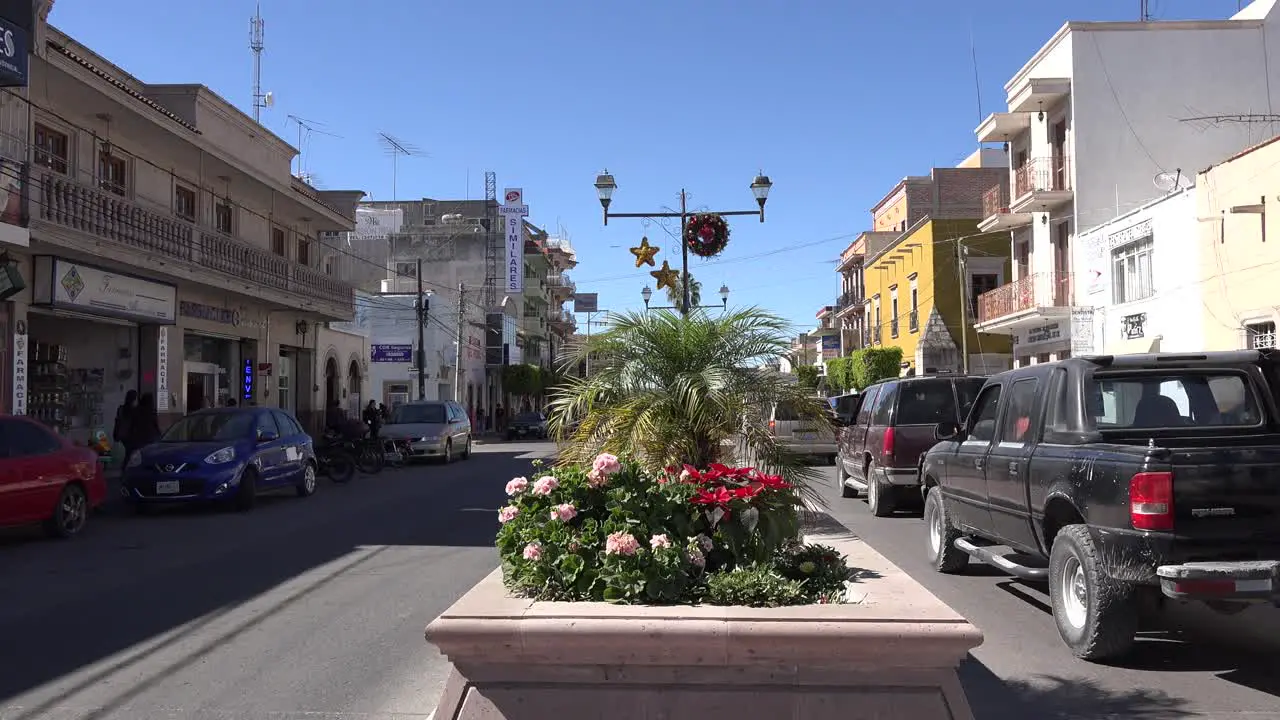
column 1060, row 698
column 133, row 581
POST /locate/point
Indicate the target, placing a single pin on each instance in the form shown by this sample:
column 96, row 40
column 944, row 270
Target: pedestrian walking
column 144, row 428
column 373, row 418
column 480, row 419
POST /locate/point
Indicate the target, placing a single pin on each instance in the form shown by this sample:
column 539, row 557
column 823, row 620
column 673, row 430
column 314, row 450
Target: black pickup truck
column 1121, row 480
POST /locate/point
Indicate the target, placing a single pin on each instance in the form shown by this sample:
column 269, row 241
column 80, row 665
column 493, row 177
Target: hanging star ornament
column 666, row 277
column 644, row 253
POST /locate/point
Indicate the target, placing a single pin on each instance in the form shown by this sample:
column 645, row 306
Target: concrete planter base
column 890, row 654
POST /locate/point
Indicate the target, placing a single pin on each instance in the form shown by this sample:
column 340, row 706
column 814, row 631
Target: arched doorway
column 332, row 390
column 354, row 385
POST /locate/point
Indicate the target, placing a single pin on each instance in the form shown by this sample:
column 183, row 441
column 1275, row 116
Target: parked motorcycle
column 335, row 462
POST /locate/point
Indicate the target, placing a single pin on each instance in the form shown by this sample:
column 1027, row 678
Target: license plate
column 167, row 487
column 806, row 437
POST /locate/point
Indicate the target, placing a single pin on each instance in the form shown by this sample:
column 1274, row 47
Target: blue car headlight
column 221, row 457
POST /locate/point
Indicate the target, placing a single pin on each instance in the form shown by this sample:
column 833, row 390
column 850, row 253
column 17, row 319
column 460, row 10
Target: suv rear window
column 926, row 402
column 1220, row 398
column 785, row 413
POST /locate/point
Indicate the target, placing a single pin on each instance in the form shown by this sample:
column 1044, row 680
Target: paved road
column 1191, row 663
column 300, row 609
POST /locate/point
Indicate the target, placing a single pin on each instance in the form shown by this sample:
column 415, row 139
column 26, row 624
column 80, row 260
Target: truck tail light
column 773, row 427
column 886, row 449
column 1151, row 501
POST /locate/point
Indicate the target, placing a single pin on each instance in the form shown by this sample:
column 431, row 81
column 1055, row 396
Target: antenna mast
column 305, row 128
column 396, row 147
column 256, row 44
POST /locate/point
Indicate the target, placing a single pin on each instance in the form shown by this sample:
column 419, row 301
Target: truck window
column 967, row 390
column 882, row 413
column 1017, row 418
column 983, row 419
column 1170, row 400
column 784, row 412
column 868, row 402
column 926, row 402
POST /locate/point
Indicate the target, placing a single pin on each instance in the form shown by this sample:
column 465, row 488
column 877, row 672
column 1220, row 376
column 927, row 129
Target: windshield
column 1169, row 400
column 210, row 427
column 926, row 402
column 432, row 414
column 529, row 417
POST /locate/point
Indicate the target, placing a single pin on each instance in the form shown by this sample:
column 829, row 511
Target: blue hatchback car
column 227, row 455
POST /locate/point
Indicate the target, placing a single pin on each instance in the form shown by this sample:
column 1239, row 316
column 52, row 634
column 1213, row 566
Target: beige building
column 1237, row 263
column 170, row 251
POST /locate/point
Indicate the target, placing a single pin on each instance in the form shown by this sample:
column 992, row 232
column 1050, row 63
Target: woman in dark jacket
column 145, row 427
column 124, row 417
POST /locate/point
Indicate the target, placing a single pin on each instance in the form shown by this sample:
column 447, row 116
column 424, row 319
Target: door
column 966, row 482
column 200, row 381
column 1059, row 139
column 1007, row 465
column 270, row 453
column 881, row 420
column 292, row 443
column 854, row 437
column 31, row 473
column 1061, row 264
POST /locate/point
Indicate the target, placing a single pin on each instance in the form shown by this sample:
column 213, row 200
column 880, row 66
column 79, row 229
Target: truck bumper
column 1257, row 581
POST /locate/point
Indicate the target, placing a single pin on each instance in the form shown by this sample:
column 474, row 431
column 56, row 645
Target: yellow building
column 914, row 291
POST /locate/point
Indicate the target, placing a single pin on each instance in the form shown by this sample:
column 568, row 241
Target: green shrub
column 808, row 376
column 820, row 569
column 755, row 586
column 870, row 365
column 839, row 372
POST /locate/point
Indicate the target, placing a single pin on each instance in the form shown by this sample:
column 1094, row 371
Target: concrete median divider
column 891, row 653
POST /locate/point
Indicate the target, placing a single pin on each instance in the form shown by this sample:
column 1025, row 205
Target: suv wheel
column 880, row 497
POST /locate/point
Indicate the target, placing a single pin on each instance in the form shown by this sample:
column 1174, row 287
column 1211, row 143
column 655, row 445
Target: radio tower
column 260, row 99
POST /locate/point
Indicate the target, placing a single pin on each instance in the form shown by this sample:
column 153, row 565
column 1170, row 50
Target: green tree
column 520, row 380
column 676, row 296
column 870, row 365
column 808, row 376
column 666, row 390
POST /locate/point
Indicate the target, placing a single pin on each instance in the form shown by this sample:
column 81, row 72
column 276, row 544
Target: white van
column 800, row 436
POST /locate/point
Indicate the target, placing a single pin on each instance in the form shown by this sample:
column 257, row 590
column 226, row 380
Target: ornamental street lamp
column 606, row 185
column 647, row 295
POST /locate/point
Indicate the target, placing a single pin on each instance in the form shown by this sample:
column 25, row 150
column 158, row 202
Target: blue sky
column 836, row 100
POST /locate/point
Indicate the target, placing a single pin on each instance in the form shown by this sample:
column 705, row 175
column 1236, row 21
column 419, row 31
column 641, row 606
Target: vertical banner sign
column 162, row 368
column 20, row 361
column 513, row 210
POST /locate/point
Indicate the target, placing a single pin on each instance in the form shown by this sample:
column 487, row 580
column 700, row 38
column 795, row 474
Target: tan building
column 171, row 251
column 1237, row 278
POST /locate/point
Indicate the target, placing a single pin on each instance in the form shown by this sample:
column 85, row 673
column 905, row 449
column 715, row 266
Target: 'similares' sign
column 513, row 211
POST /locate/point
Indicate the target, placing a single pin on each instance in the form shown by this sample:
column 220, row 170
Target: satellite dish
column 269, row 99
column 1171, row 181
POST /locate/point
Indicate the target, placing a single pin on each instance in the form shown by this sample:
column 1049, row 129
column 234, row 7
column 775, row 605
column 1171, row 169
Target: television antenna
column 1171, row 181
column 305, row 129
column 395, row 147
column 257, row 45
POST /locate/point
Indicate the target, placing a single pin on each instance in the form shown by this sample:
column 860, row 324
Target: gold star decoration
column 644, row 253
column 666, row 277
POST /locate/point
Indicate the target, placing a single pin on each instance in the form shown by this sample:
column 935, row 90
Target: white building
column 170, row 252
column 1093, row 118
column 1138, row 283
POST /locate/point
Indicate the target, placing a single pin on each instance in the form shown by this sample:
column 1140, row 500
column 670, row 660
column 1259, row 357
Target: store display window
column 78, row 374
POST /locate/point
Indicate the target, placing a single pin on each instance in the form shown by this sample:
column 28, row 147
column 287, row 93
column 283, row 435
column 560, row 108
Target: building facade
column 1097, row 125
column 1135, row 288
column 170, row 251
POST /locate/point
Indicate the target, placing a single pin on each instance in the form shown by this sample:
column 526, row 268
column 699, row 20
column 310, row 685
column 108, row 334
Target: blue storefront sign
column 391, row 353
column 13, row 55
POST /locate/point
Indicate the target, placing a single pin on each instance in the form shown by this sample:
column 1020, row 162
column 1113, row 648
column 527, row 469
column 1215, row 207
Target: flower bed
column 617, row 533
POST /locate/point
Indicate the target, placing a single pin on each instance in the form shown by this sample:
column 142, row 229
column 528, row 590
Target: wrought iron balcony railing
column 1052, row 289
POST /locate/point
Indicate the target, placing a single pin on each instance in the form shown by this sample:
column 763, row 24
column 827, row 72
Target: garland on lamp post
column 706, row 234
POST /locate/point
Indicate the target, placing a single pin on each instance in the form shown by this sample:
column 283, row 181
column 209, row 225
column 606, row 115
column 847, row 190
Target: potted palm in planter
column 649, row 569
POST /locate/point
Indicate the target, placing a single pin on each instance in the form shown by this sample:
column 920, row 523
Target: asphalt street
column 1189, row 662
column 303, row 608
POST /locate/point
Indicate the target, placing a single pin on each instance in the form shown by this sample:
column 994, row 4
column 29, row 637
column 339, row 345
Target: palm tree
column 667, row 389
column 676, row 294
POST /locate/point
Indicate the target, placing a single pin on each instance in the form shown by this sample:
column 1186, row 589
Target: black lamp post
column 647, row 294
column 605, row 186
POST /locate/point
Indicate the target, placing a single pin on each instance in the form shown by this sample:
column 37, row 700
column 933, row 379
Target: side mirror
column 946, row 431
column 266, row 436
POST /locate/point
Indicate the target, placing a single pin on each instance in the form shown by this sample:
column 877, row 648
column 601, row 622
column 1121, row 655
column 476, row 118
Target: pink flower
column 517, row 486
column 507, row 514
column 621, row 543
column 574, row 546
column 696, row 558
column 564, row 512
column 685, row 476
column 606, row 463
column 659, row 541
column 597, row 478
column 533, row 551
column 545, row 485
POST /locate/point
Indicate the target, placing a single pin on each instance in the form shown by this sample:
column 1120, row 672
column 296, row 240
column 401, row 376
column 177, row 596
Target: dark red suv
column 880, row 450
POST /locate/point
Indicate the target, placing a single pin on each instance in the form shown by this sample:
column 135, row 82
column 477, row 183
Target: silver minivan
column 802, row 437
column 431, row 429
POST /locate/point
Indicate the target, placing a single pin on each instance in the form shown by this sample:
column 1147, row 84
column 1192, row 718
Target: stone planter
column 891, row 653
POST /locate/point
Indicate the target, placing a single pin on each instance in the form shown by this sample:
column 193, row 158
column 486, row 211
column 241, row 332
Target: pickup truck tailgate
column 1228, row 493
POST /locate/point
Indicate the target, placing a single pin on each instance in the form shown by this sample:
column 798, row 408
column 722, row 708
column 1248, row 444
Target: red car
column 44, row 478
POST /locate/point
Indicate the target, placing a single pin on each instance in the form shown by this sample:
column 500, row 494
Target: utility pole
column 457, row 361
column 961, row 252
column 423, row 309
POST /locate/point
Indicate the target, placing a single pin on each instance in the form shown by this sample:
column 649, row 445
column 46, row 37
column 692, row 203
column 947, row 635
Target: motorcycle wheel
column 371, row 460
column 340, row 467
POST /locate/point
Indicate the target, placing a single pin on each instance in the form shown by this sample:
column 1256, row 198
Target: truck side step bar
column 991, row 557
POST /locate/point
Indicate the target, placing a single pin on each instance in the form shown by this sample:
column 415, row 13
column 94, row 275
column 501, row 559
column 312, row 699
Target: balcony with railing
column 115, row 226
column 1029, row 300
column 996, row 214
column 1041, row 184
column 535, row 323
column 846, row 302
column 875, row 335
column 893, row 328
column 913, row 321
column 562, row 286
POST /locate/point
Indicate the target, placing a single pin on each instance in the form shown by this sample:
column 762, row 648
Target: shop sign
column 20, row 368
column 391, row 353
column 1047, row 334
column 1133, row 327
column 264, row 369
column 213, row 313
column 246, row 381
column 513, row 211
column 75, row 286
column 1082, row 331
column 830, row 347
column 13, row 55
column 13, row 204
column 162, row 369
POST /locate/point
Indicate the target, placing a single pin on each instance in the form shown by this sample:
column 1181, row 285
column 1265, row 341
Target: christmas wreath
column 706, row 234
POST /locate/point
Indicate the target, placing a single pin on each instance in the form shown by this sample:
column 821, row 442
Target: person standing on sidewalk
column 124, row 417
column 480, row 420
column 144, row 428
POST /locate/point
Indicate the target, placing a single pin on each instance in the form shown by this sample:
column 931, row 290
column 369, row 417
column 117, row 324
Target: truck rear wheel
column 943, row 555
column 1096, row 616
